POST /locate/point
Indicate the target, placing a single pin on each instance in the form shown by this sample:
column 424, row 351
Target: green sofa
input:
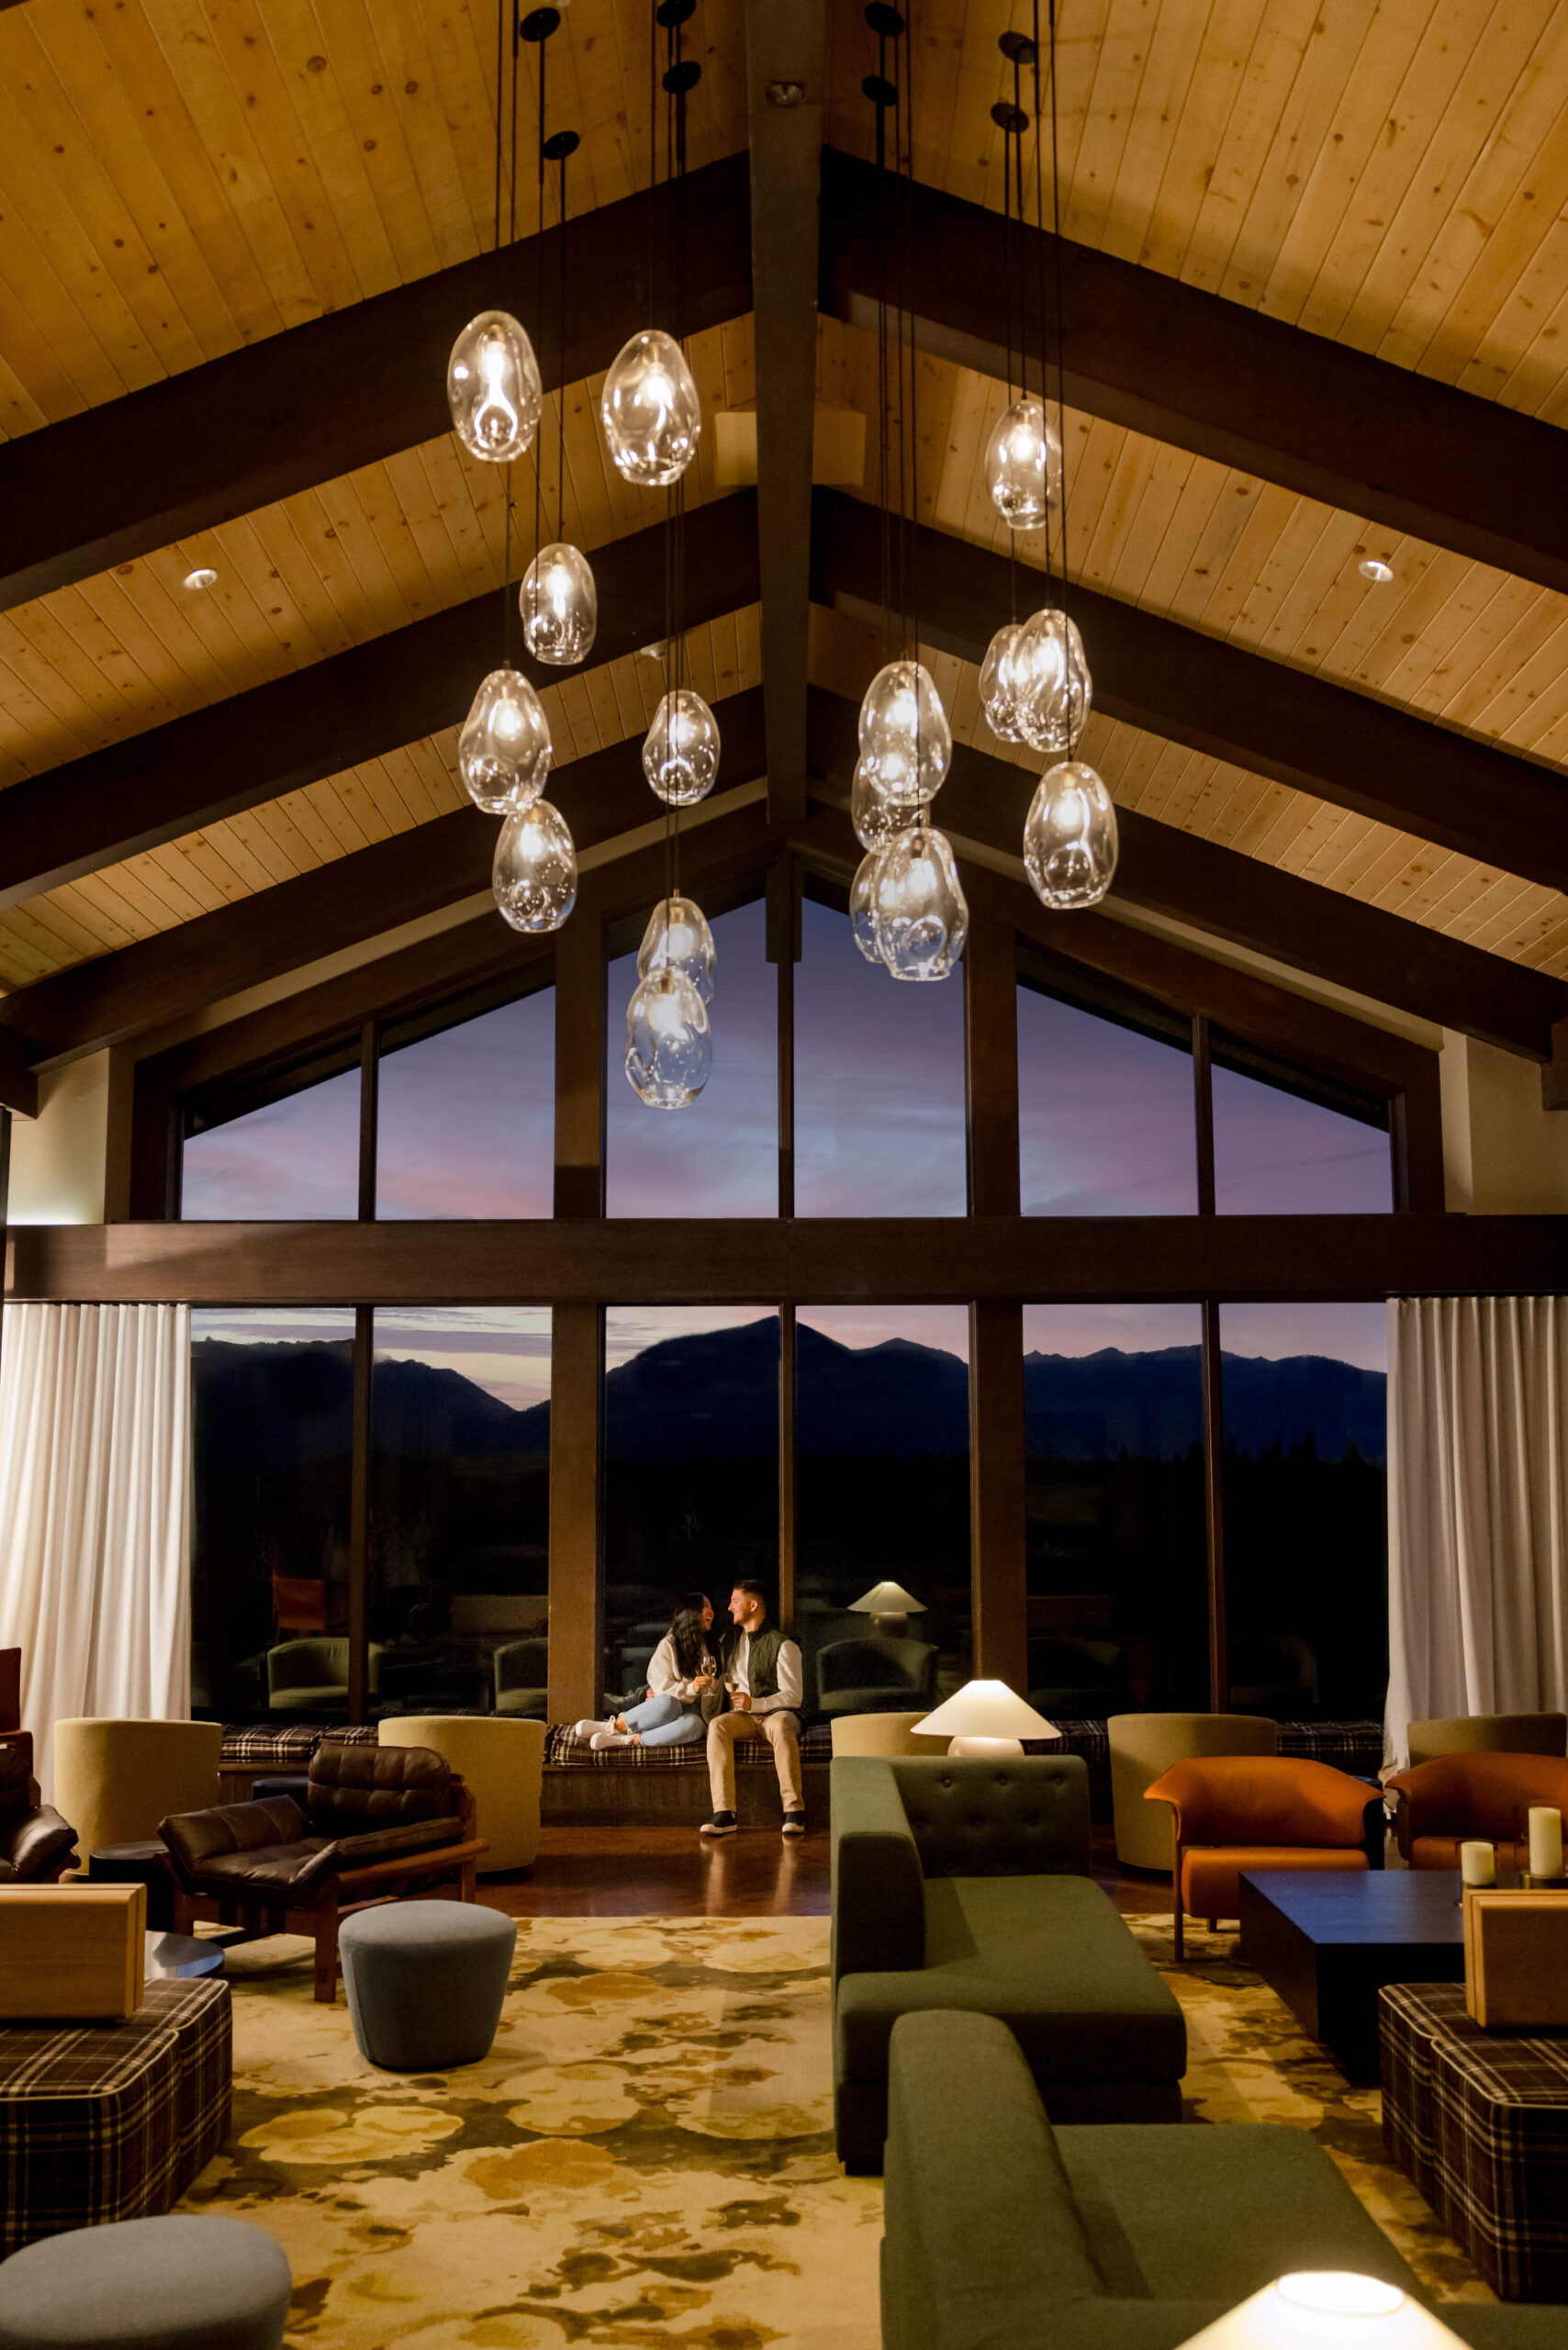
column 963, row 1884
column 1003, row 2233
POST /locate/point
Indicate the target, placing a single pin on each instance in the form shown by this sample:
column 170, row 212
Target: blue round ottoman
column 425, row 1981
column 172, row 2284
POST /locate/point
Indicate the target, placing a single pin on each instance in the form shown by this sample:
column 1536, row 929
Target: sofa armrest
column 983, row 2244
column 879, row 1887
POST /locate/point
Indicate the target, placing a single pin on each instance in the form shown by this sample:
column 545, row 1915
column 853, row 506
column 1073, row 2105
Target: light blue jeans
column 665, row 1721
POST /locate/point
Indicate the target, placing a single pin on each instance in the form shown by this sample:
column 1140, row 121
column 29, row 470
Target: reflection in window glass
column 879, row 1084
column 296, row 1158
column 882, row 1477
column 1116, row 1544
column 1305, row 1509
column 691, row 1468
column 1106, row 1124
column 465, row 1119
column 272, row 1431
column 720, row 1157
column 460, row 1493
column 1276, row 1154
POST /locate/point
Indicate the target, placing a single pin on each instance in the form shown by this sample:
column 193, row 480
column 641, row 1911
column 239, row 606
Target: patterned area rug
column 646, row 2158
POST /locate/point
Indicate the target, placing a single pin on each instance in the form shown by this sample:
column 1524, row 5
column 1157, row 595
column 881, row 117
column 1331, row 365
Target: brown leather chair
column 1260, row 1812
column 35, row 1845
column 379, row 1822
column 1441, row 1803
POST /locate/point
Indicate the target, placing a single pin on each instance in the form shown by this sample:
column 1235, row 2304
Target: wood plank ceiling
column 180, row 179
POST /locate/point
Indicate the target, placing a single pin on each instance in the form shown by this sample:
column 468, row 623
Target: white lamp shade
column 888, row 1599
column 1326, row 2309
column 985, row 1709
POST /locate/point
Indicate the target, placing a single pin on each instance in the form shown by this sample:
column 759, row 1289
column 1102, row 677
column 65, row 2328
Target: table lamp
column 890, row 1608
column 1326, row 2309
column 984, row 1718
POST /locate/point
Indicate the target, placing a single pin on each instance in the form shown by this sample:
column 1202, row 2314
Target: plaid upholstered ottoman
column 1479, row 2120
column 111, row 2122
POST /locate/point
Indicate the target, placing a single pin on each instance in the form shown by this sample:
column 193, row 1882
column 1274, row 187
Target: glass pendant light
column 677, row 939
column 1069, row 837
column 902, row 711
column 1023, row 465
column 680, row 753
column 652, row 416
column 1054, row 688
column 504, row 750
column 493, row 388
column 999, row 683
column 669, row 1045
column 863, row 906
column 559, row 604
column 535, row 871
column 923, row 917
column 884, row 798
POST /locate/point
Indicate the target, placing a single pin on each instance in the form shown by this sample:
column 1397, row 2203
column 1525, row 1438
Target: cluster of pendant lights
column 652, row 422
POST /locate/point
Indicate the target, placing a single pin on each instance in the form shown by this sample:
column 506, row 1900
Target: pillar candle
column 1545, row 1840
column 1478, row 1864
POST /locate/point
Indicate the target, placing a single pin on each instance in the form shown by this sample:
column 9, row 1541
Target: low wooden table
column 1328, row 1940
column 1479, row 2120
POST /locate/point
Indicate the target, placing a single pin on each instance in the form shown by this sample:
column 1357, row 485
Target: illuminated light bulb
column 999, row 683
column 680, row 753
column 884, row 798
column 1328, row 2310
column 1373, row 567
column 504, row 750
column 677, row 939
column 493, row 389
column 1069, row 837
column 195, row 582
column 863, row 906
column 1054, row 690
column 535, row 871
column 921, row 914
column 902, row 711
column 669, row 1045
column 649, row 408
column 1023, row 465
column 559, row 604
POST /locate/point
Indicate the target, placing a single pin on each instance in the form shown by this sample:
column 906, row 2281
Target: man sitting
column 762, row 1676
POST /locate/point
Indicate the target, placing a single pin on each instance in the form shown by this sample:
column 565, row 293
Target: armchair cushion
column 35, row 1845
column 1211, row 1878
column 355, row 1788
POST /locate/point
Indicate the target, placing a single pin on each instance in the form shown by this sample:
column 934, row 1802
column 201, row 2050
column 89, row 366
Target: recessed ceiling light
column 652, row 652
column 195, row 581
column 1375, row 568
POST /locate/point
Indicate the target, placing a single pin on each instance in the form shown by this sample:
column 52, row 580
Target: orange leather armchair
column 1260, row 1812
column 1487, row 1796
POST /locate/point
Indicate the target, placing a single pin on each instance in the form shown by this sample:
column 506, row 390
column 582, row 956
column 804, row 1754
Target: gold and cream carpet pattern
column 645, row 2161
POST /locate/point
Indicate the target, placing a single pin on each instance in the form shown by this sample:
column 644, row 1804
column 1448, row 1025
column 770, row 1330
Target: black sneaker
column 722, row 1824
column 794, row 1823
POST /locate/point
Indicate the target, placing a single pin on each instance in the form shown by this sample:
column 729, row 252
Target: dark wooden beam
column 941, row 1261
column 1468, row 796
column 784, row 55
column 1334, row 937
column 164, row 979
column 577, row 1520
column 312, row 403
column 579, row 1063
column 1188, row 367
column 18, row 1086
column 358, row 705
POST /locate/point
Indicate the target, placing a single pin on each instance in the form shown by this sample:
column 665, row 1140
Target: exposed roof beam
column 1300, row 730
column 339, row 905
column 316, row 401
column 1188, row 367
column 358, row 705
column 784, row 55
column 1333, row 936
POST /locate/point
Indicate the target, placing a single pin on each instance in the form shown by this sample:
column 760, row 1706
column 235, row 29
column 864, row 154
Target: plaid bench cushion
column 111, row 2122
column 564, row 1752
column 266, row 1746
column 1356, row 1747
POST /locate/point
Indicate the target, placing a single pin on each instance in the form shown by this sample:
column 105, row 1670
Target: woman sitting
column 682, row 1674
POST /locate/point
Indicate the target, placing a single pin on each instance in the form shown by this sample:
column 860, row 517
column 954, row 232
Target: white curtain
column 94, row 1483
column 1477, row 1509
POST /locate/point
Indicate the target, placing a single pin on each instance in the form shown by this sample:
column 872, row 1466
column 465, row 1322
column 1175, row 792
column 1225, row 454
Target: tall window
column 1291, row 1145
column 1107, row 1120
column 295, row 1155
column 1117, row 1551
column 466, row 1116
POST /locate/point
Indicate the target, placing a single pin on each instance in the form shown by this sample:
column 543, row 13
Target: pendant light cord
column 561, row 364
column 507, row 8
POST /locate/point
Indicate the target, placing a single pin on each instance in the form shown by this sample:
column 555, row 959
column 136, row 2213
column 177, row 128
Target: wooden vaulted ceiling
column 196, row 195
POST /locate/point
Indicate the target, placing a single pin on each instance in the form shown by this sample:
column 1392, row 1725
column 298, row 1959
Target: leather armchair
column 378, row 1821
column 1264, row 1811
column 35, row 1845
column 1482, row 1795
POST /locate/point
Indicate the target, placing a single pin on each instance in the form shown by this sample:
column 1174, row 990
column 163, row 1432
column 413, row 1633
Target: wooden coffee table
column 1328, row 1940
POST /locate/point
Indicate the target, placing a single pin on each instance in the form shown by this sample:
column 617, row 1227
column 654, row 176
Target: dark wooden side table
column 1328, row 1940
column 1479, row 2120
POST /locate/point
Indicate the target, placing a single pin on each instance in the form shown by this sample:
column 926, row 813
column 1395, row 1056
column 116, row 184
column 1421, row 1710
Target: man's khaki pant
column 782, row 1732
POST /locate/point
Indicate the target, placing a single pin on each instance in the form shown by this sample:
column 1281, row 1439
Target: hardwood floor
column 672, row 1871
